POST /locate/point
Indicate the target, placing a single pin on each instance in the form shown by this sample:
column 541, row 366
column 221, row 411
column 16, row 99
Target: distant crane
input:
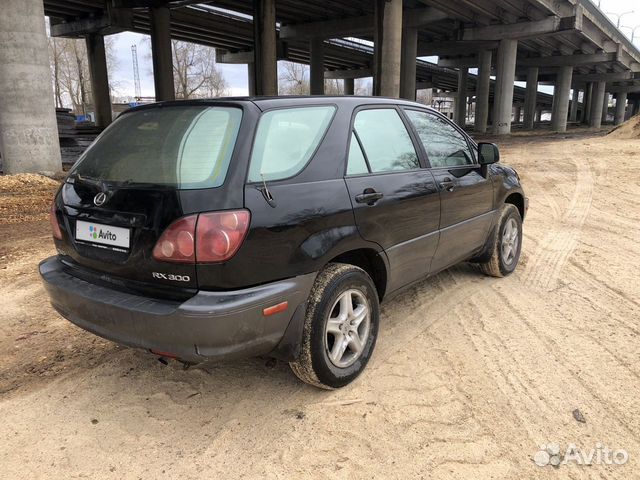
column 136, row 72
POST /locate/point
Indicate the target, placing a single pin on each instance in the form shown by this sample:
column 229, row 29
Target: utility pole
column 136, row 72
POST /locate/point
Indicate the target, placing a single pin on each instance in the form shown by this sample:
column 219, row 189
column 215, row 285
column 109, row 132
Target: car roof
column 267, row 102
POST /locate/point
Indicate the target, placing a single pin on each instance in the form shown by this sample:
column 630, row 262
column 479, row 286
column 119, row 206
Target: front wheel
column 505, row 251
column 340, row 329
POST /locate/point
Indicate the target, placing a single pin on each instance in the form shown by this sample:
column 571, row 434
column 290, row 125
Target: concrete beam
column 523, row 30
column 461, row 62
column 225, row 56
column 346, row 27
column 161, row 56
column 454, row 47
column 99, row 79
column 248, row 56
column 567, row 60
column 115, row 20
column 28, row 129
column 607, row 77
column 354, row 73
column 264, row 38
column 625, row 89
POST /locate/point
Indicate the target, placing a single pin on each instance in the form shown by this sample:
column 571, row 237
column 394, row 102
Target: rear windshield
column 184, row 146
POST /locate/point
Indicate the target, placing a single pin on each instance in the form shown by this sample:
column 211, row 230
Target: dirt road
column 470, row 377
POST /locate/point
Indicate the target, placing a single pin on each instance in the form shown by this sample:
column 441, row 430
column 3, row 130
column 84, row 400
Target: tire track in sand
column 558, row 244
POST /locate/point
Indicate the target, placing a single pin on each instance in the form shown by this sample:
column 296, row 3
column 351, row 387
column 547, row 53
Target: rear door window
column 286, row 139
column 385, row 140
column 356, row 163
column 183, row 146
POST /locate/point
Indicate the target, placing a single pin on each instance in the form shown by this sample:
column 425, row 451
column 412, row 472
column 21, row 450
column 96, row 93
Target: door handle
column 369, row 196
column 447, row 184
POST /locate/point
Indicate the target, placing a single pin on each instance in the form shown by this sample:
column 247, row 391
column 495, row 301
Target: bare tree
column 70, row 71
column 195, row 73
column 293, row 79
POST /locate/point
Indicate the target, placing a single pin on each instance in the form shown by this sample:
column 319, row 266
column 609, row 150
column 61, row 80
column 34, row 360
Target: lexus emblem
column 99, row 199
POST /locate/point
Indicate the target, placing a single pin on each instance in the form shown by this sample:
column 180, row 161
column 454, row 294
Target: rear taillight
column 203, row 238
column 220, row 234
column 53, row 219
column 176, row 244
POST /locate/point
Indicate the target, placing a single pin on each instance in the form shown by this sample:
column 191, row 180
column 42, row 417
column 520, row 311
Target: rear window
column 187, row 147
column 286, row 139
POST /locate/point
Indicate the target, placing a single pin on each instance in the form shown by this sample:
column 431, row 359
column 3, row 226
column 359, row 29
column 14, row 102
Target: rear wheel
column 505, row 251
column 340, row 328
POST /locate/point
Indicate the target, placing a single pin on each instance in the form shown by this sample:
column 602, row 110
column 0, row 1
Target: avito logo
column 96, row 233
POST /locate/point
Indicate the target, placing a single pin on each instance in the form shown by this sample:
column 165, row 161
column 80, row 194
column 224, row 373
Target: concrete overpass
column 566, row 43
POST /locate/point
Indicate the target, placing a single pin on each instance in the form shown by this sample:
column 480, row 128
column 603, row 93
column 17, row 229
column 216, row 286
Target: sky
column 236, row 75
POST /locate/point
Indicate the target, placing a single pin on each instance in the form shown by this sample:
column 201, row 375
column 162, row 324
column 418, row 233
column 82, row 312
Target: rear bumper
column 210, row 325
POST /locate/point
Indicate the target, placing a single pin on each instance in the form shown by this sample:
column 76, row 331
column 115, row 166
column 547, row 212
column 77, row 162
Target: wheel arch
column 371, row 262
column 517, row 199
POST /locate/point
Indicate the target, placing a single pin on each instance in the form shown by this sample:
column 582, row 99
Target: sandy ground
column 470, row 376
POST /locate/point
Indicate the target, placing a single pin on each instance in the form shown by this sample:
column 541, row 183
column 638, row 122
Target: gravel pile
column 25, row 197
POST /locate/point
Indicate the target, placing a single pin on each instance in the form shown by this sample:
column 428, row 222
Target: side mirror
column 489, row 153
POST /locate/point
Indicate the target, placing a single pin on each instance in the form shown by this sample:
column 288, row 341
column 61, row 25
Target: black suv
column 217, row 229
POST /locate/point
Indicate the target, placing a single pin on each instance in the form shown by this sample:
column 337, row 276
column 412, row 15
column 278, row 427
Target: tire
column 503, row 261
column 327, row 329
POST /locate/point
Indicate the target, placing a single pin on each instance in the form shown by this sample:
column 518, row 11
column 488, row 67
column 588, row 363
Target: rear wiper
column 90, row 180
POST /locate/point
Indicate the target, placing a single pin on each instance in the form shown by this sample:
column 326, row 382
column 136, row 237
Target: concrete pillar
column 99, row 78
column 251, row 79
column 633, row 108
column 588, row 100
column 348, row 86
column 561, row 94
column 161, row 53
column 506, row 70
column 605, row 107
column 621, row 107
column 573, row 108
column 316, row 52
column 482, row 91
column 387, row 47
column 595, row 119
column 408, row 65
column 264, row 38
column 530, row 98
column 538, row 115
column 517, row 114
column 28, row 129
column 460, row 112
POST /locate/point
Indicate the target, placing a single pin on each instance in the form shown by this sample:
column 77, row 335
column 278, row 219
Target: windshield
column 184, row 146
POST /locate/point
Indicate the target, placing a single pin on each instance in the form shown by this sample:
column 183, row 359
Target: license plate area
column 103, row 236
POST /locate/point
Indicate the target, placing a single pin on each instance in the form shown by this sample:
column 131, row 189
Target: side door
column 395, row 199
column 466, row 195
